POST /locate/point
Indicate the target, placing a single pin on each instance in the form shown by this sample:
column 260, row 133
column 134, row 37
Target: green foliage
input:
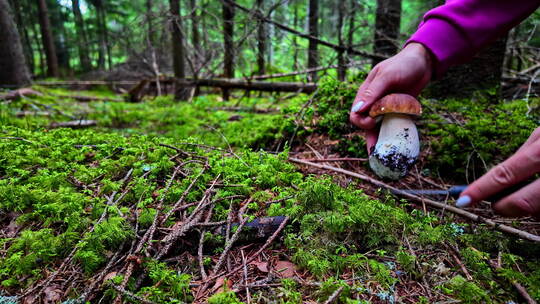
column 467, row 292
column 29, row 252
column 288, row 292
column 225, row 297
column 107, row 235
column 333, row 103
column 168, row 286
column 487, row 133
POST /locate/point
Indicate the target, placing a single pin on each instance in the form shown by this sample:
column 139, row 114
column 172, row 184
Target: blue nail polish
column 463, row 201
column 357, row 106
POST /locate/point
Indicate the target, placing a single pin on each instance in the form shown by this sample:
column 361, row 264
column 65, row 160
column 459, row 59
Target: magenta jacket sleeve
column 457, row 30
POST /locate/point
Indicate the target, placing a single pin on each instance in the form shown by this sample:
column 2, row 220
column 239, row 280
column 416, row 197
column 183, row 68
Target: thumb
column 365, row 97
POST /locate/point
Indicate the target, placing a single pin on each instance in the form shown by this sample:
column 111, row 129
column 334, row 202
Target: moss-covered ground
column 157, row 203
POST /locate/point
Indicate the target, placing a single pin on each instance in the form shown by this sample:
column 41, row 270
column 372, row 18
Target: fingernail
column 463, row 201
column 357, row 106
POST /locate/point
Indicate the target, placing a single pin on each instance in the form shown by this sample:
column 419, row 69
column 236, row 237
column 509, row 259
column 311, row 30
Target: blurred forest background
column 119, row 40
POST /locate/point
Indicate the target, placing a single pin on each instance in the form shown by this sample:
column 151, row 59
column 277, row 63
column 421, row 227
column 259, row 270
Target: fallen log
column 74, row 124
column 249, row 85
column 83, row 83
column 140, row 89
column 16, row 94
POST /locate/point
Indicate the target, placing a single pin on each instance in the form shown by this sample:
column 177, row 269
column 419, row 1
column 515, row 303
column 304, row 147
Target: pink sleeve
column 457, row 30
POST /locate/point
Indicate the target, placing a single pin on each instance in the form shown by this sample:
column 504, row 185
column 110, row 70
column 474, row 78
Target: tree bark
column 387, row 21
column 149, row 23
column 23, row 34
column 342, row 69
column 195, row 36
column 295, row 43
column 13, row 68
column 228, row 44
column 47, row 38
column 104, row 50
column 261, row 42
column 177, row 41
column 82, row 39
column 313, row 29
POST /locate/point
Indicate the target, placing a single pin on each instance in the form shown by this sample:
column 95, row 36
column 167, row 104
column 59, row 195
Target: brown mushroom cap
column 396, row 103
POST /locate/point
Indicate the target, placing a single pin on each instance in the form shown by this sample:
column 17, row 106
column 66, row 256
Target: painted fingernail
column 463, row 201
column 357, row 106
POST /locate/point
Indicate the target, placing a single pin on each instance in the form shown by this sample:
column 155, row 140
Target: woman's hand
column 519, row 167
column 407, row 72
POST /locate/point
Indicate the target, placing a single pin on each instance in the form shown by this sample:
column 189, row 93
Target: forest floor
column 107, row 201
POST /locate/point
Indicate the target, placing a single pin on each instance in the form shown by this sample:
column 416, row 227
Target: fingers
column 371, row 139
column 363, row 121
column 526, row 201
column 373, row 88
column 520, row 166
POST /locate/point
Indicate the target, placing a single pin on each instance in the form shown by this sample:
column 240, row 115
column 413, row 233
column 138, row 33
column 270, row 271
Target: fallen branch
column 244, row 109
column 519, row 288
column 253, row 257
column 16, row 94
column 249, row 85
column 306, row 71
column 74, row 124
column 334, row 296
column 130, row 294
column 471, row 216
column 337, row 159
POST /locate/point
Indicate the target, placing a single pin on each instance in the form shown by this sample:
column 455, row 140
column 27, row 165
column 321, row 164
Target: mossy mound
column 76, row 206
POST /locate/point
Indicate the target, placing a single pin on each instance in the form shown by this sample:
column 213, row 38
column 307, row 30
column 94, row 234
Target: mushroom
column 398, row 145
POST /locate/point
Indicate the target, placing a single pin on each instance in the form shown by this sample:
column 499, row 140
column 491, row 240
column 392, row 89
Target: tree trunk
column 177, row 41
column 352, row 23
column 149, row 23
column 295, row 43
column 228, row 44
column 23, row 31
column 342, row 69
column 261, row 41
column 82, row 39
column 313, row 29
column 482, row 73
column 104, row 48
column 387, row 21
column 195, row 37
column 40, row 50
column 47, row 38
column 13, row 68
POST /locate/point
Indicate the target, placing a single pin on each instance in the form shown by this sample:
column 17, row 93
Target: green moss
column 487, row 133
column 466, row 291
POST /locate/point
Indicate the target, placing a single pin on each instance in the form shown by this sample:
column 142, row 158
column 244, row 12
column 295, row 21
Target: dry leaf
column 220, row 284
column 262, row 266
column 285, row 269
column 52, row 294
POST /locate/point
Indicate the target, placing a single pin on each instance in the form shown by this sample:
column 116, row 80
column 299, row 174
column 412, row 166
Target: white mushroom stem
column 397, row 148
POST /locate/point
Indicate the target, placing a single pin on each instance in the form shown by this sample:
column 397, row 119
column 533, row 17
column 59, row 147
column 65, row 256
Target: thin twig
column 334, row 296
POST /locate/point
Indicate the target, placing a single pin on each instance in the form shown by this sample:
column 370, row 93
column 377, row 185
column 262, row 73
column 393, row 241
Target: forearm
column 454, row 32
